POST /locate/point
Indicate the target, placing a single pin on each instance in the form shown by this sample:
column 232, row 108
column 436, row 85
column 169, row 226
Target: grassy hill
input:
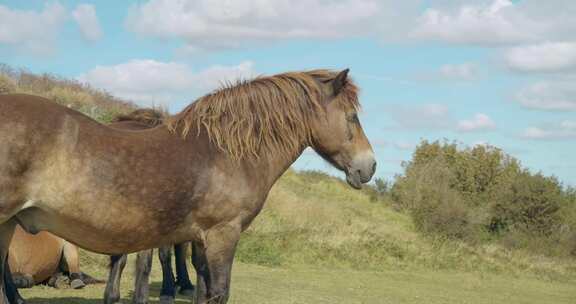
column 319, row 241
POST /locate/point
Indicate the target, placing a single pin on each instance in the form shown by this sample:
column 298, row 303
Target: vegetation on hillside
column 95, row 103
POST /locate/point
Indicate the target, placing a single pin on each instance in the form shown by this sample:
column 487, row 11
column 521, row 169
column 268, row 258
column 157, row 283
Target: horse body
column 99, row 179
column 94, row 185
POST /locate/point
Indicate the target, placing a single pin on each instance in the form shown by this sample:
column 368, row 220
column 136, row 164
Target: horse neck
column 273, row 166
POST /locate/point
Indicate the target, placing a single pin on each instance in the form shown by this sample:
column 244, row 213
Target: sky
column 497, row 72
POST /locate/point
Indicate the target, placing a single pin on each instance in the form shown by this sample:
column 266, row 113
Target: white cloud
column 31, row 31
column 150, row 82
column 480, row 122
column 562, row 131
column 424, row 117
column 464, row 71
column 558, row 95
column 218, row 24
column 545, row 57
column 85, row 16
column 484, row 24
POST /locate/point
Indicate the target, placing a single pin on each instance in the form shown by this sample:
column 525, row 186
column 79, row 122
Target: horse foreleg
column 168, row 291
column 6, row 232
column 72, row 261
column 182, row 277
column 112, row 291
column 143, row 268
column 213, row 263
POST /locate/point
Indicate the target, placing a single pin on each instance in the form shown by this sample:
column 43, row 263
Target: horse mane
column 267, row 115
column 150, row 117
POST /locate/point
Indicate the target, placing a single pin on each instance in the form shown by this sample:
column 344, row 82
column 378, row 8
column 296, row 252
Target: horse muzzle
column 361, row 170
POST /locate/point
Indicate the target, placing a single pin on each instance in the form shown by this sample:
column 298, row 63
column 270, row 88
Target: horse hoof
column 61, row 282
column 187, row 292
column 77, row 284
column 166, row 300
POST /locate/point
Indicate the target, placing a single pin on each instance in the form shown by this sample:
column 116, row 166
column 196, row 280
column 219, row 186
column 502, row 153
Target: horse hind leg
column 6, row 231
column 168, row 292
column 112, row 291
column 72, row 260
column 12, row 293
column 143, row 269
column 182, row 277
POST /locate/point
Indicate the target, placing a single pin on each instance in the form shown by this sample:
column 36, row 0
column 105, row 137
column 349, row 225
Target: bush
column 481, row 193
column 7, row 84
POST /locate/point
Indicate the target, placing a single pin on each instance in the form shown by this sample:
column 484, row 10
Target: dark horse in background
column 202, row 176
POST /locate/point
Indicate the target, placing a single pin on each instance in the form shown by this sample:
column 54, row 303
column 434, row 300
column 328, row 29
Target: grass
column 260, row 284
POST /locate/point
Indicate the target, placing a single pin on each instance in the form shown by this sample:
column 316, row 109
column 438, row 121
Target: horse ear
column 339, row 82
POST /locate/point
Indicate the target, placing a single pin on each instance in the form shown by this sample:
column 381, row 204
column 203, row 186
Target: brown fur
column 41, row 257
column 118, row 191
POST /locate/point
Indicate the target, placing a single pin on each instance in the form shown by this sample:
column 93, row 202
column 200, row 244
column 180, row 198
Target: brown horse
column 202, row 176
column 45, row 258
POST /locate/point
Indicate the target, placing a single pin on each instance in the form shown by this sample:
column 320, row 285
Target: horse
column 45, row 258
column 138, row 120
column 202, row 176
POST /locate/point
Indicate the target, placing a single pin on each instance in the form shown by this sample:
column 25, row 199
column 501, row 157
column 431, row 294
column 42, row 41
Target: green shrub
column 481, row 193
column 7, row 84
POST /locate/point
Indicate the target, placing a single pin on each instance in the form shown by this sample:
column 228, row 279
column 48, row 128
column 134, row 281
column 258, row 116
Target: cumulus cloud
column 562, row 131
column 31, row 31
column 556, row 95
column 423, row 117
column 544, row 57
column 464, row 71
column 85, row 16
column 498, row 22
column 480, row 122
column 150, row 82
column 227, row 24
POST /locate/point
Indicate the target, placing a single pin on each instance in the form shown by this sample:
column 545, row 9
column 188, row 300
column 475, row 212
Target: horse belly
column 110, row 232
column 37, row 256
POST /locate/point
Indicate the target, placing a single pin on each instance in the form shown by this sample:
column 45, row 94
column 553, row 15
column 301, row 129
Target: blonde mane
column 266, row 115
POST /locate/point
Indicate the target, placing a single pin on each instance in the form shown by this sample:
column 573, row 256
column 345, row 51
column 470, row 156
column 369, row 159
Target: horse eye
column 352, row 118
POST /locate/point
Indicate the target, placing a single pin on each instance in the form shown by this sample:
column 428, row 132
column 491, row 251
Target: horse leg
column 141, row 284
column 213, row 263
column 112, row 291
column 12, row 293
column 182, row 277
column 72, row 260
column 168, row 292
column 6, row 231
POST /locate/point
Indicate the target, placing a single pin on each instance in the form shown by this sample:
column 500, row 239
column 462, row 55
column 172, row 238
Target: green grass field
column 258, row 284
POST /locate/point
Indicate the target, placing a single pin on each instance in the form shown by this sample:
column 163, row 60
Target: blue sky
column 498, row 72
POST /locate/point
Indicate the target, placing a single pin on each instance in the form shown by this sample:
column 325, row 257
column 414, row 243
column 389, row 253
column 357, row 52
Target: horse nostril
column 374, row 167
